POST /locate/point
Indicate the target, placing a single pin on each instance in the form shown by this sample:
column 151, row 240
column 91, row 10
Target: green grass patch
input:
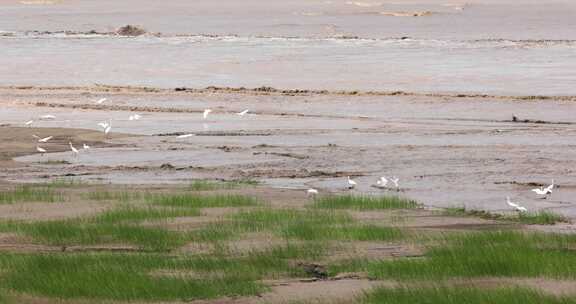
column 485, row 254
column 531, row 218
column 128, row 213
column 117, row 226
column 448, row 295
column 363, row 202
column 4, row 298
column 309, row 225
column 27, row 193
column 117, row 196
column 116, row 277
column 541, row 218
column 201, row 201
column 151, row 277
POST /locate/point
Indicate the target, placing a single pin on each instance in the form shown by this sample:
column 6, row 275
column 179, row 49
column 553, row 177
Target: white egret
column 206, row 112
column 107, row 130
column 74, row 150
column 85, row 147
column 104, row 124
column 101, row 100
column 540, row 191
column 45, row 139
column 29, row 123
column 382, row 182
column 351, row 183
column 135, row 117
column 41, row 150
column 515, row 205
column 243, row 112
column 185, row 136
column 311, row 192
column 47, row 117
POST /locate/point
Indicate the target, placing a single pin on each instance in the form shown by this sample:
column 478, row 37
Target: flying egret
column 74, row 150
column 85, row 147
column 29, row 123
column 311, row 192
column 395, row 181
column 515, row 205
column 206, row 112
column 41, row 150
column 185, row 136
column 101, row 100
column 351, row 183
column 135, row 117
column 47, row 117
column 243, row 112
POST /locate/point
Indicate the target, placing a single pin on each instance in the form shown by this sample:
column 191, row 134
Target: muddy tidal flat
column 232, row 152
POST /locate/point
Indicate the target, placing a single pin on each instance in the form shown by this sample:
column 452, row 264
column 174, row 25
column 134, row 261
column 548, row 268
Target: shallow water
column 447, row 151
column 495, row 47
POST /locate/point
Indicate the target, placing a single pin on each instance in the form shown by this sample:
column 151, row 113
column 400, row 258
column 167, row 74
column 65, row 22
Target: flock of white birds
column 106, row 128
column 381, row 183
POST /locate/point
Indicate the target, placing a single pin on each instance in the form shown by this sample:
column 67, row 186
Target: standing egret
column 351, row 183
column 85, row 147
column 206, row 112
column 515, row 205
column 540, row 191
column 311, row 192
column 47, row 117
column 107, row 130
column 135, row 117
column 104, row 124
column 74, row 150
column 41, row 150
column 101, row 100
column 382, row 182
column 243, row 112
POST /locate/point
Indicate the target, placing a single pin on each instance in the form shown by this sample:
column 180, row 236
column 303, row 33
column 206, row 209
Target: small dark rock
column 130, row 30
column 167, row 166
column 315, row 270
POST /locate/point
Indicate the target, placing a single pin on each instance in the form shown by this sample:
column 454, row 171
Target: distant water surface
column 518, row 47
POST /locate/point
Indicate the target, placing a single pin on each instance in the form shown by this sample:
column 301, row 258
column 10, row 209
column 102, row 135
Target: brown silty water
column 451, row 141
column 442, row 156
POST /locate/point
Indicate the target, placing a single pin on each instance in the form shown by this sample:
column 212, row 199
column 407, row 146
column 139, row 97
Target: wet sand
column 447, row 150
